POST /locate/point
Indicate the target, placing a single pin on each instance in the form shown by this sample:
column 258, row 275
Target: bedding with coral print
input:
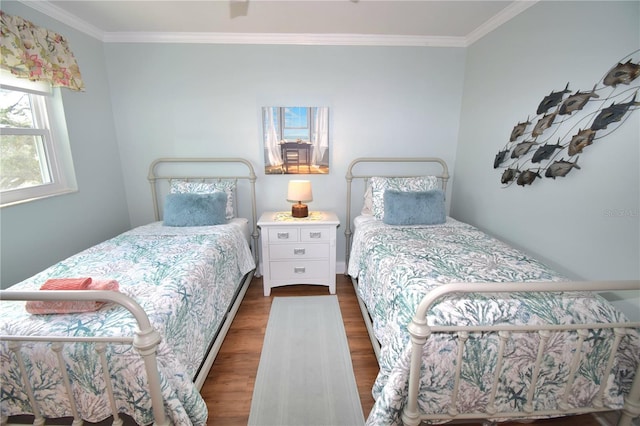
column 379, row 185
column 194, row 187
column 397, row 266
column 184, row 279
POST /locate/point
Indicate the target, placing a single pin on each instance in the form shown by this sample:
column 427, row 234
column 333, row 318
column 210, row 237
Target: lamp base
column 299, row 210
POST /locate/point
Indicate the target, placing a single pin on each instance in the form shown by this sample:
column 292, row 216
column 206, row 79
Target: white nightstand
column 298, row 250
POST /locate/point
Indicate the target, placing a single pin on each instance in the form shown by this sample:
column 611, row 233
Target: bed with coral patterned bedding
column 148, row 311
column 397, row 266
column 466, row 327
column 183, row 277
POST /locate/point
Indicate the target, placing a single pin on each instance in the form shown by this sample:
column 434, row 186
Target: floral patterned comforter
column 184, row 279
column 396, row 266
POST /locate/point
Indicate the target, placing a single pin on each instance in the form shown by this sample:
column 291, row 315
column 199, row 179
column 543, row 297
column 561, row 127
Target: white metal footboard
column 420, row 332
column 145, row 341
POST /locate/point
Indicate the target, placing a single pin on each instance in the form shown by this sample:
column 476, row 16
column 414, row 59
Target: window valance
column 38, row 54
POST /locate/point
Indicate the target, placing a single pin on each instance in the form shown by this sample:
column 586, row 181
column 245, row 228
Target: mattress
column 396, row 266
column 185, row 279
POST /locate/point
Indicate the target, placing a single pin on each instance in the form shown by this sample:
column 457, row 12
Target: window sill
column 40, row 197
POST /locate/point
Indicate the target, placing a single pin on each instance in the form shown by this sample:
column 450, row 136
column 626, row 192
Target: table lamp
column 299, row 192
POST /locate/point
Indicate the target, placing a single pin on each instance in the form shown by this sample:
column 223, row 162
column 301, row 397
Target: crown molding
column 73, row 21
column 286, row 38
column 65, row 17
column 500, row 18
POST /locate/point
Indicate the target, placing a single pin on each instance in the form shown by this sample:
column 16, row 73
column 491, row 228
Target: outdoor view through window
column 24, row 135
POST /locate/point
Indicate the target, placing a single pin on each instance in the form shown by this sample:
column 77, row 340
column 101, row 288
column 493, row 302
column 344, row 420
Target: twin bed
column 147, row 351
column 448, row 347
column 457, row 332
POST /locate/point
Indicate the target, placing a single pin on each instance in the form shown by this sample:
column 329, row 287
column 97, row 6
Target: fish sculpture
column 561, row 168
column 518, row 130
column 551, row 100
column 577, row 101
column 509, row 175
column 612, row 114
column 543, row 124
column 558, row 115
column 499, row 158
column 522, row 148
column 527, row 177
column 622, row 74
column 581, row 140
column 544, row 152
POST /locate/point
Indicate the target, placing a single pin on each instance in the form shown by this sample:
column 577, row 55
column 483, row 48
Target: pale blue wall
column 564, row 222
column 206, row 100
column 37, row 234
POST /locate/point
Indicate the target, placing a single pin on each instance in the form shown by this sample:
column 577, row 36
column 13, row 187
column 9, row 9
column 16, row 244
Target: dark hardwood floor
column 229, row 385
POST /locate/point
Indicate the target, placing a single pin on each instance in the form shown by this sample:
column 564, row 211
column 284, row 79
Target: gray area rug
column 305, row 375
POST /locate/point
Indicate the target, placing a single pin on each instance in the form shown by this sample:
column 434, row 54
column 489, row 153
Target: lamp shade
column 299, row 191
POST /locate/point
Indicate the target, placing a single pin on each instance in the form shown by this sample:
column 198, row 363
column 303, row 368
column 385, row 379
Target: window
column 293, row 124
column 35, row 157
column 296, row 124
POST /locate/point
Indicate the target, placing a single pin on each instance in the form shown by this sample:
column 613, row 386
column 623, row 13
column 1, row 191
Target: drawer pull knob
column 299, row 270
column 315, row 234
column 283, row 235
column 298, row 251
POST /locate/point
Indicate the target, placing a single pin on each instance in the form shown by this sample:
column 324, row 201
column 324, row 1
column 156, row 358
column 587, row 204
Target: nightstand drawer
column 299, row 251
column 303, row 270
column 317, row 234
column 283, row 235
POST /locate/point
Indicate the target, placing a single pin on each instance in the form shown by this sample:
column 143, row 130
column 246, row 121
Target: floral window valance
column 38, row 54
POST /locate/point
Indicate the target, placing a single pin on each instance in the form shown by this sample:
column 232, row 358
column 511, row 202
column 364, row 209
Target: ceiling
column 380, row 22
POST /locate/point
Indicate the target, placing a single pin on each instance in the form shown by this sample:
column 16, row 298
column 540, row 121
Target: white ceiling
column 378, row 22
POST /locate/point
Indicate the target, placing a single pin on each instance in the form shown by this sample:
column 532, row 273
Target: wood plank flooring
column 229, row 385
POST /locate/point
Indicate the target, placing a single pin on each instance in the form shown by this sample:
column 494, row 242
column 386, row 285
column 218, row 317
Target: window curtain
column 320, row 137
column 38, row 54
column 271, row 141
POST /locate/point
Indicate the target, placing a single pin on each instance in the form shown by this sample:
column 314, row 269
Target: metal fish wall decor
column 577, row 120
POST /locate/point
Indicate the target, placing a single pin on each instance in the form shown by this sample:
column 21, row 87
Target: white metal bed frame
column 351, row 175
column 146, row 340
column 420, row 331
column 155, row 178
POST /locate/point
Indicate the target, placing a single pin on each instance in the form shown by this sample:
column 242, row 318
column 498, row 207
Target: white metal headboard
column 443, row 176
column 155, row 176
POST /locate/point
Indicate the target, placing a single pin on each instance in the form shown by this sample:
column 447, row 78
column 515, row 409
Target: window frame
column 50, row 124
column 282, row 124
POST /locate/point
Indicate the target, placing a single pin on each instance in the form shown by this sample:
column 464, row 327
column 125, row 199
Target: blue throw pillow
column 414, row 208
column 187, row 209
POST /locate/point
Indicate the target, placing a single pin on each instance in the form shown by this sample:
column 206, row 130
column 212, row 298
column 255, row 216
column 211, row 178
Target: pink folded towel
column 66, row 284
column 40, row 307
column 104, row 285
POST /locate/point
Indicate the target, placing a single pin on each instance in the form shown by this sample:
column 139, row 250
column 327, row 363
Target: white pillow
column 368, row 202
column 194, row 187
column 380, row 184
